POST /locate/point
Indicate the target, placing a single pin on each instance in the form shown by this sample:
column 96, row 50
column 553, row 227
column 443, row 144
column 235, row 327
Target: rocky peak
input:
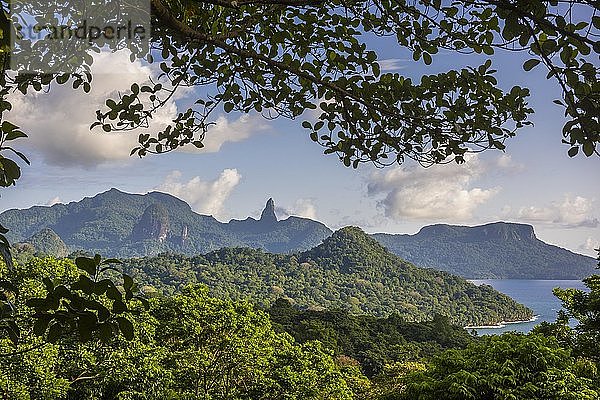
column 268, row 214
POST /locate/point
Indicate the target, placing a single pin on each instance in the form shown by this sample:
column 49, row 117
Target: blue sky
column 250, row 159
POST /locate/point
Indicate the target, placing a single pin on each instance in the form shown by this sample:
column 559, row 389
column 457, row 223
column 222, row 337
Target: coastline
column 502, row 324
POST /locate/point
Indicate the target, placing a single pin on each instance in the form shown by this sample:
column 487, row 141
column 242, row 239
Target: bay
column 535, row 294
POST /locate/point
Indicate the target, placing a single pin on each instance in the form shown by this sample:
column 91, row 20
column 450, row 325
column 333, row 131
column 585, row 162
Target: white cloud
column 58, row 122
column 571, row 212
column 205, row 197
column 53, row 201
column 506, row 163
column 302, row 208
column 392, row 64
column 439, row 192
column 226, row 131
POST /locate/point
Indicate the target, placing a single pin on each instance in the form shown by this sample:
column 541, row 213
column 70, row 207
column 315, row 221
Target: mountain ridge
column 498, row 250
column 109, row 223
column 112, row 223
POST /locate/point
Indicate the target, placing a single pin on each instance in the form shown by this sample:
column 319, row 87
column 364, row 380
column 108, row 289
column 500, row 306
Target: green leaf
column 588, row 148
column 113, row 293
column 19, row 154
column 38, row 304
column 87, row 264
column 110, row 103
column 13, row 331
column 145, row 302
column 54, row 332
column 530, row 64
column 84, row 284
column 105, row 332
column 102, row 286
column 126, row 328
column 127, row 282
column 119, row 307
column 8, row 126
column 48, row 284
column 9, row 171
column 86, row 324
column 41, row 325
column 427, row 59
column 16, row 134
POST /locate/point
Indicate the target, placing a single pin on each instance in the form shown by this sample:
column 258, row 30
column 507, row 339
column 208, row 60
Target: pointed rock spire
column 268, row 214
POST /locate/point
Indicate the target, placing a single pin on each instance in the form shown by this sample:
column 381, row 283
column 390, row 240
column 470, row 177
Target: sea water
column 535, row 294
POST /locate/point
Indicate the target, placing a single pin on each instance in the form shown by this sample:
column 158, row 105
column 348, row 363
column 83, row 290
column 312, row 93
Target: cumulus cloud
column 205, row 197
column 224, row 131
column 58, row 122
column 302, row 208
column 506, row 163
column 571, row 212
column 440, row 192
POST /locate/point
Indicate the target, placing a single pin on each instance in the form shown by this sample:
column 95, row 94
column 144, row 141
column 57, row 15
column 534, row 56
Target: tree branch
column 165, row 16
column 237, row 4
column 541, row 22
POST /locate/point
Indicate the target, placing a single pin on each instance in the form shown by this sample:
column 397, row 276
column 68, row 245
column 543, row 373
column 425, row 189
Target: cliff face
column 496, row 231
column 505, row 231
column 184, row 235
column 153, row 225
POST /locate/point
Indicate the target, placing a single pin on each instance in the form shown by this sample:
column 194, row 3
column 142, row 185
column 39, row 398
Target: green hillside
column 348, row 271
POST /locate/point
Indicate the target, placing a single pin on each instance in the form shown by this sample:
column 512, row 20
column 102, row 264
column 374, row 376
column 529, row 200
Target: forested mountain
column 47, row 242
column 497, row 250
column 349, row 271
column 120, row 224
